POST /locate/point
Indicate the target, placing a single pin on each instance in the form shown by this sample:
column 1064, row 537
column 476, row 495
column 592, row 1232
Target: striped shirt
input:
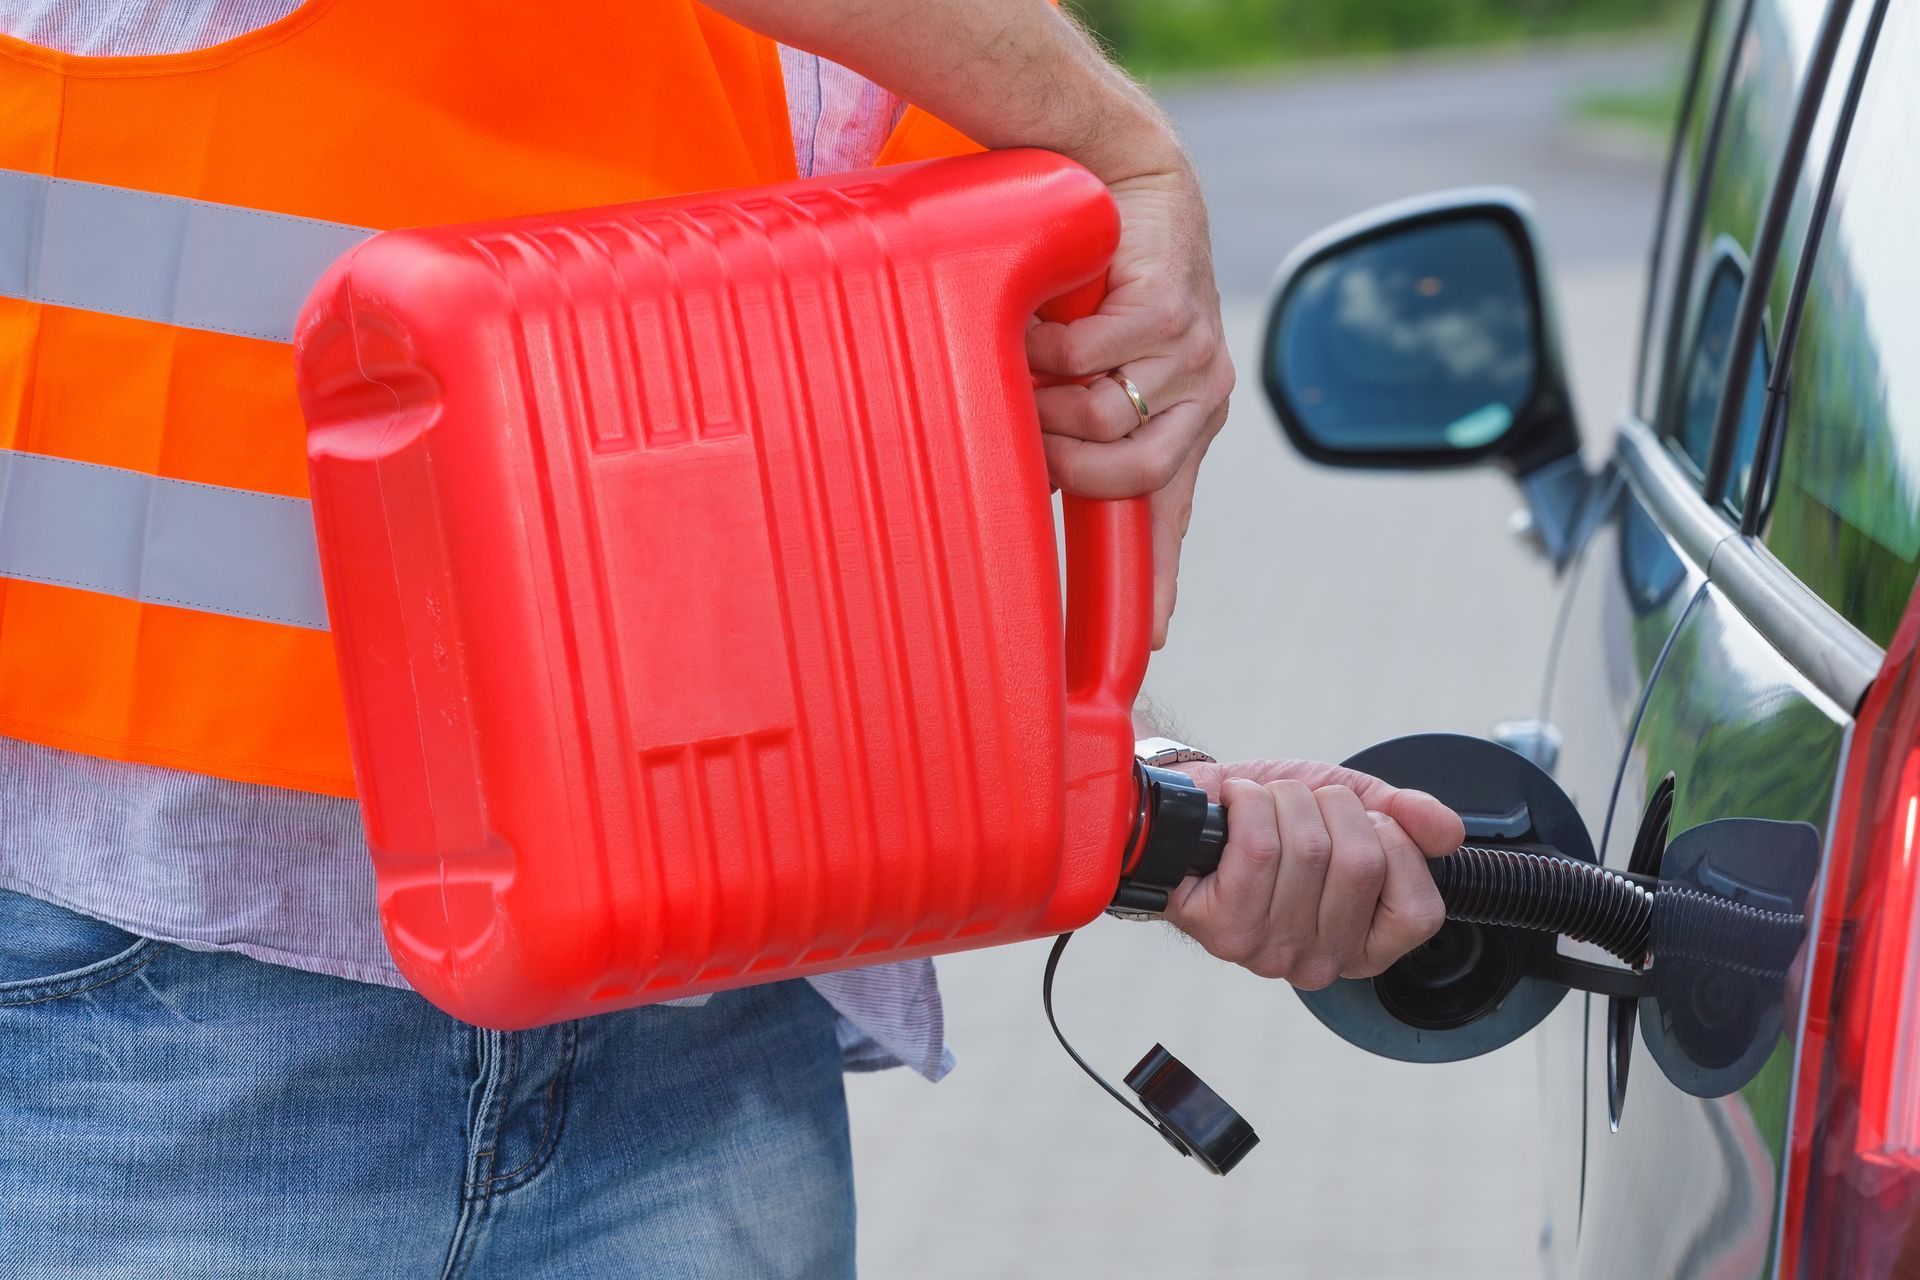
column 283, row 876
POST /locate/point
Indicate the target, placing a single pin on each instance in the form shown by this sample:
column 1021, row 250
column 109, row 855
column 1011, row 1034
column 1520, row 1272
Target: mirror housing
column 1420, row 335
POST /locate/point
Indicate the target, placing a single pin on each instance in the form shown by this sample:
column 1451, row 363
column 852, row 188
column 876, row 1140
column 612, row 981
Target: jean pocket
column 47, row 951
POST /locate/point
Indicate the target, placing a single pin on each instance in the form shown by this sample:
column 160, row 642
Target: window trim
column 1680, row 304
column 1767, row 243
column 1833, row 654
column 1773, row 428
column 1689, row 97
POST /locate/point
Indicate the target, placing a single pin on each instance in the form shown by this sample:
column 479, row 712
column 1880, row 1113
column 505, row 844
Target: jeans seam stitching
column 558, row 1096
column 481, row 1185
column 475, row 1193
column 125, row 965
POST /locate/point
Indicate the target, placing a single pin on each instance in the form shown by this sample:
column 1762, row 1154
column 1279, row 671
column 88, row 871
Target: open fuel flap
column 1706, row 946
column 1473, row 987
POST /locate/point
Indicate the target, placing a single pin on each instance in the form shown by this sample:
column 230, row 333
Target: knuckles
column 1238, row 792
column 1173, row 313
column 1311, row 846
column 1275, row 963
column 1163, row 464
column 1108, row 423
column 1365, row 862
column 1262, row 847
column 1366, row 967
column 1425, row 918
column 1226, row 378
column 1237, row 946
column 1252, row 832
column 1074, row 354
column 1315, row 975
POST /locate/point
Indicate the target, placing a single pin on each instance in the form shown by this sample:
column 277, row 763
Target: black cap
column 1192, row 1116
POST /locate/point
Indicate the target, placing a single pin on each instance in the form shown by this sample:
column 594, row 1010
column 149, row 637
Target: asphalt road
column 1319, row 612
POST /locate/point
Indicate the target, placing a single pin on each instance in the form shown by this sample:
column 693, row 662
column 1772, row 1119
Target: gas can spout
column 1177, row 832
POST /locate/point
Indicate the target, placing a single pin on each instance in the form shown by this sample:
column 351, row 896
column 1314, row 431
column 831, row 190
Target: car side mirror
column 1419, row 336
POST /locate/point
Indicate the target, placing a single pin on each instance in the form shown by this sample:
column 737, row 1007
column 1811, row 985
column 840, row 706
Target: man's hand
column 1019, row 73
column 1160, row 327
column 1323, row 875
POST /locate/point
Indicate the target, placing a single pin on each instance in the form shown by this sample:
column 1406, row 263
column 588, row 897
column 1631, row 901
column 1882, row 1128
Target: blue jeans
column 166, row 1112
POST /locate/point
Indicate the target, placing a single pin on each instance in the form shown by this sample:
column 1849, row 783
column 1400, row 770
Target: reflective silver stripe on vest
column 164, row 258
column 142, row 537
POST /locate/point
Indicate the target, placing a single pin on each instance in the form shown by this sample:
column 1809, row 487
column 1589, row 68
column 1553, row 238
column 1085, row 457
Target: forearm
column 1008, row 73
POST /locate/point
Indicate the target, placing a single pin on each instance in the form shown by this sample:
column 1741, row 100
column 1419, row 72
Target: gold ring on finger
column 1133, row 393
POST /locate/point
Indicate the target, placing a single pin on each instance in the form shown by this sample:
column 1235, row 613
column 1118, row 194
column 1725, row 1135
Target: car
column 1738, row 641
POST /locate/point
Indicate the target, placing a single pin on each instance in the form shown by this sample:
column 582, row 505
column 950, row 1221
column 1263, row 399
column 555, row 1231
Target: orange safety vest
column 160, row 221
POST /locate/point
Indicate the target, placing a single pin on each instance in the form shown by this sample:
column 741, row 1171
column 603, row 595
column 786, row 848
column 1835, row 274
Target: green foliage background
column 1182, row 35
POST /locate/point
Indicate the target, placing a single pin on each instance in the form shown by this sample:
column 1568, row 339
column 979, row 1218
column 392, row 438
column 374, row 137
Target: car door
column 1749, row 708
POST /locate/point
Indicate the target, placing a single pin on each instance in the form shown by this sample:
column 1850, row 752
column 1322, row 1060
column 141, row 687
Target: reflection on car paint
column 1650, row 567
column 1845, row 509
column 1745, row 737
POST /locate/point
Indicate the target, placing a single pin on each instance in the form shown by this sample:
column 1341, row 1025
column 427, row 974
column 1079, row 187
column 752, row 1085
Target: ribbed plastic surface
column 693, row 578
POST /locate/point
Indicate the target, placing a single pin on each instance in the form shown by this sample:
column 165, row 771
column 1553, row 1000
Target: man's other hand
column 1323, row 875
column 1160, row 327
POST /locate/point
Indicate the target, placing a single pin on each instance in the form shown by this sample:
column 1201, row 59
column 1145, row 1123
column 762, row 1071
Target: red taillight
column 1853, row 1189
column 1889, row 1117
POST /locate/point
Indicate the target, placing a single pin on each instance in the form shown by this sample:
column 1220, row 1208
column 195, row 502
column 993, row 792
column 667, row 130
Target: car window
column 1706, row 366
column 1845, row 512
column 1690, row 140
column 1768, row 65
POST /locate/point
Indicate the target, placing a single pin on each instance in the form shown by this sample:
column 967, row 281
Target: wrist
column 1119, row 133
column 1135, row 143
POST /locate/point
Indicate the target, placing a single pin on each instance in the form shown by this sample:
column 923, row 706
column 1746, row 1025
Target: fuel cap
column 1191, row 1116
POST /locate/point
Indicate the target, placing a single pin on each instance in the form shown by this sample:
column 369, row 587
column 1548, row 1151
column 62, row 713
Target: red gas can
column 692, row 572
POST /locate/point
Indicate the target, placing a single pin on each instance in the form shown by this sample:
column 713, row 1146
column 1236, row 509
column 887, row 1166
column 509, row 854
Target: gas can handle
column 1109, row 618
column 1109, row 598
